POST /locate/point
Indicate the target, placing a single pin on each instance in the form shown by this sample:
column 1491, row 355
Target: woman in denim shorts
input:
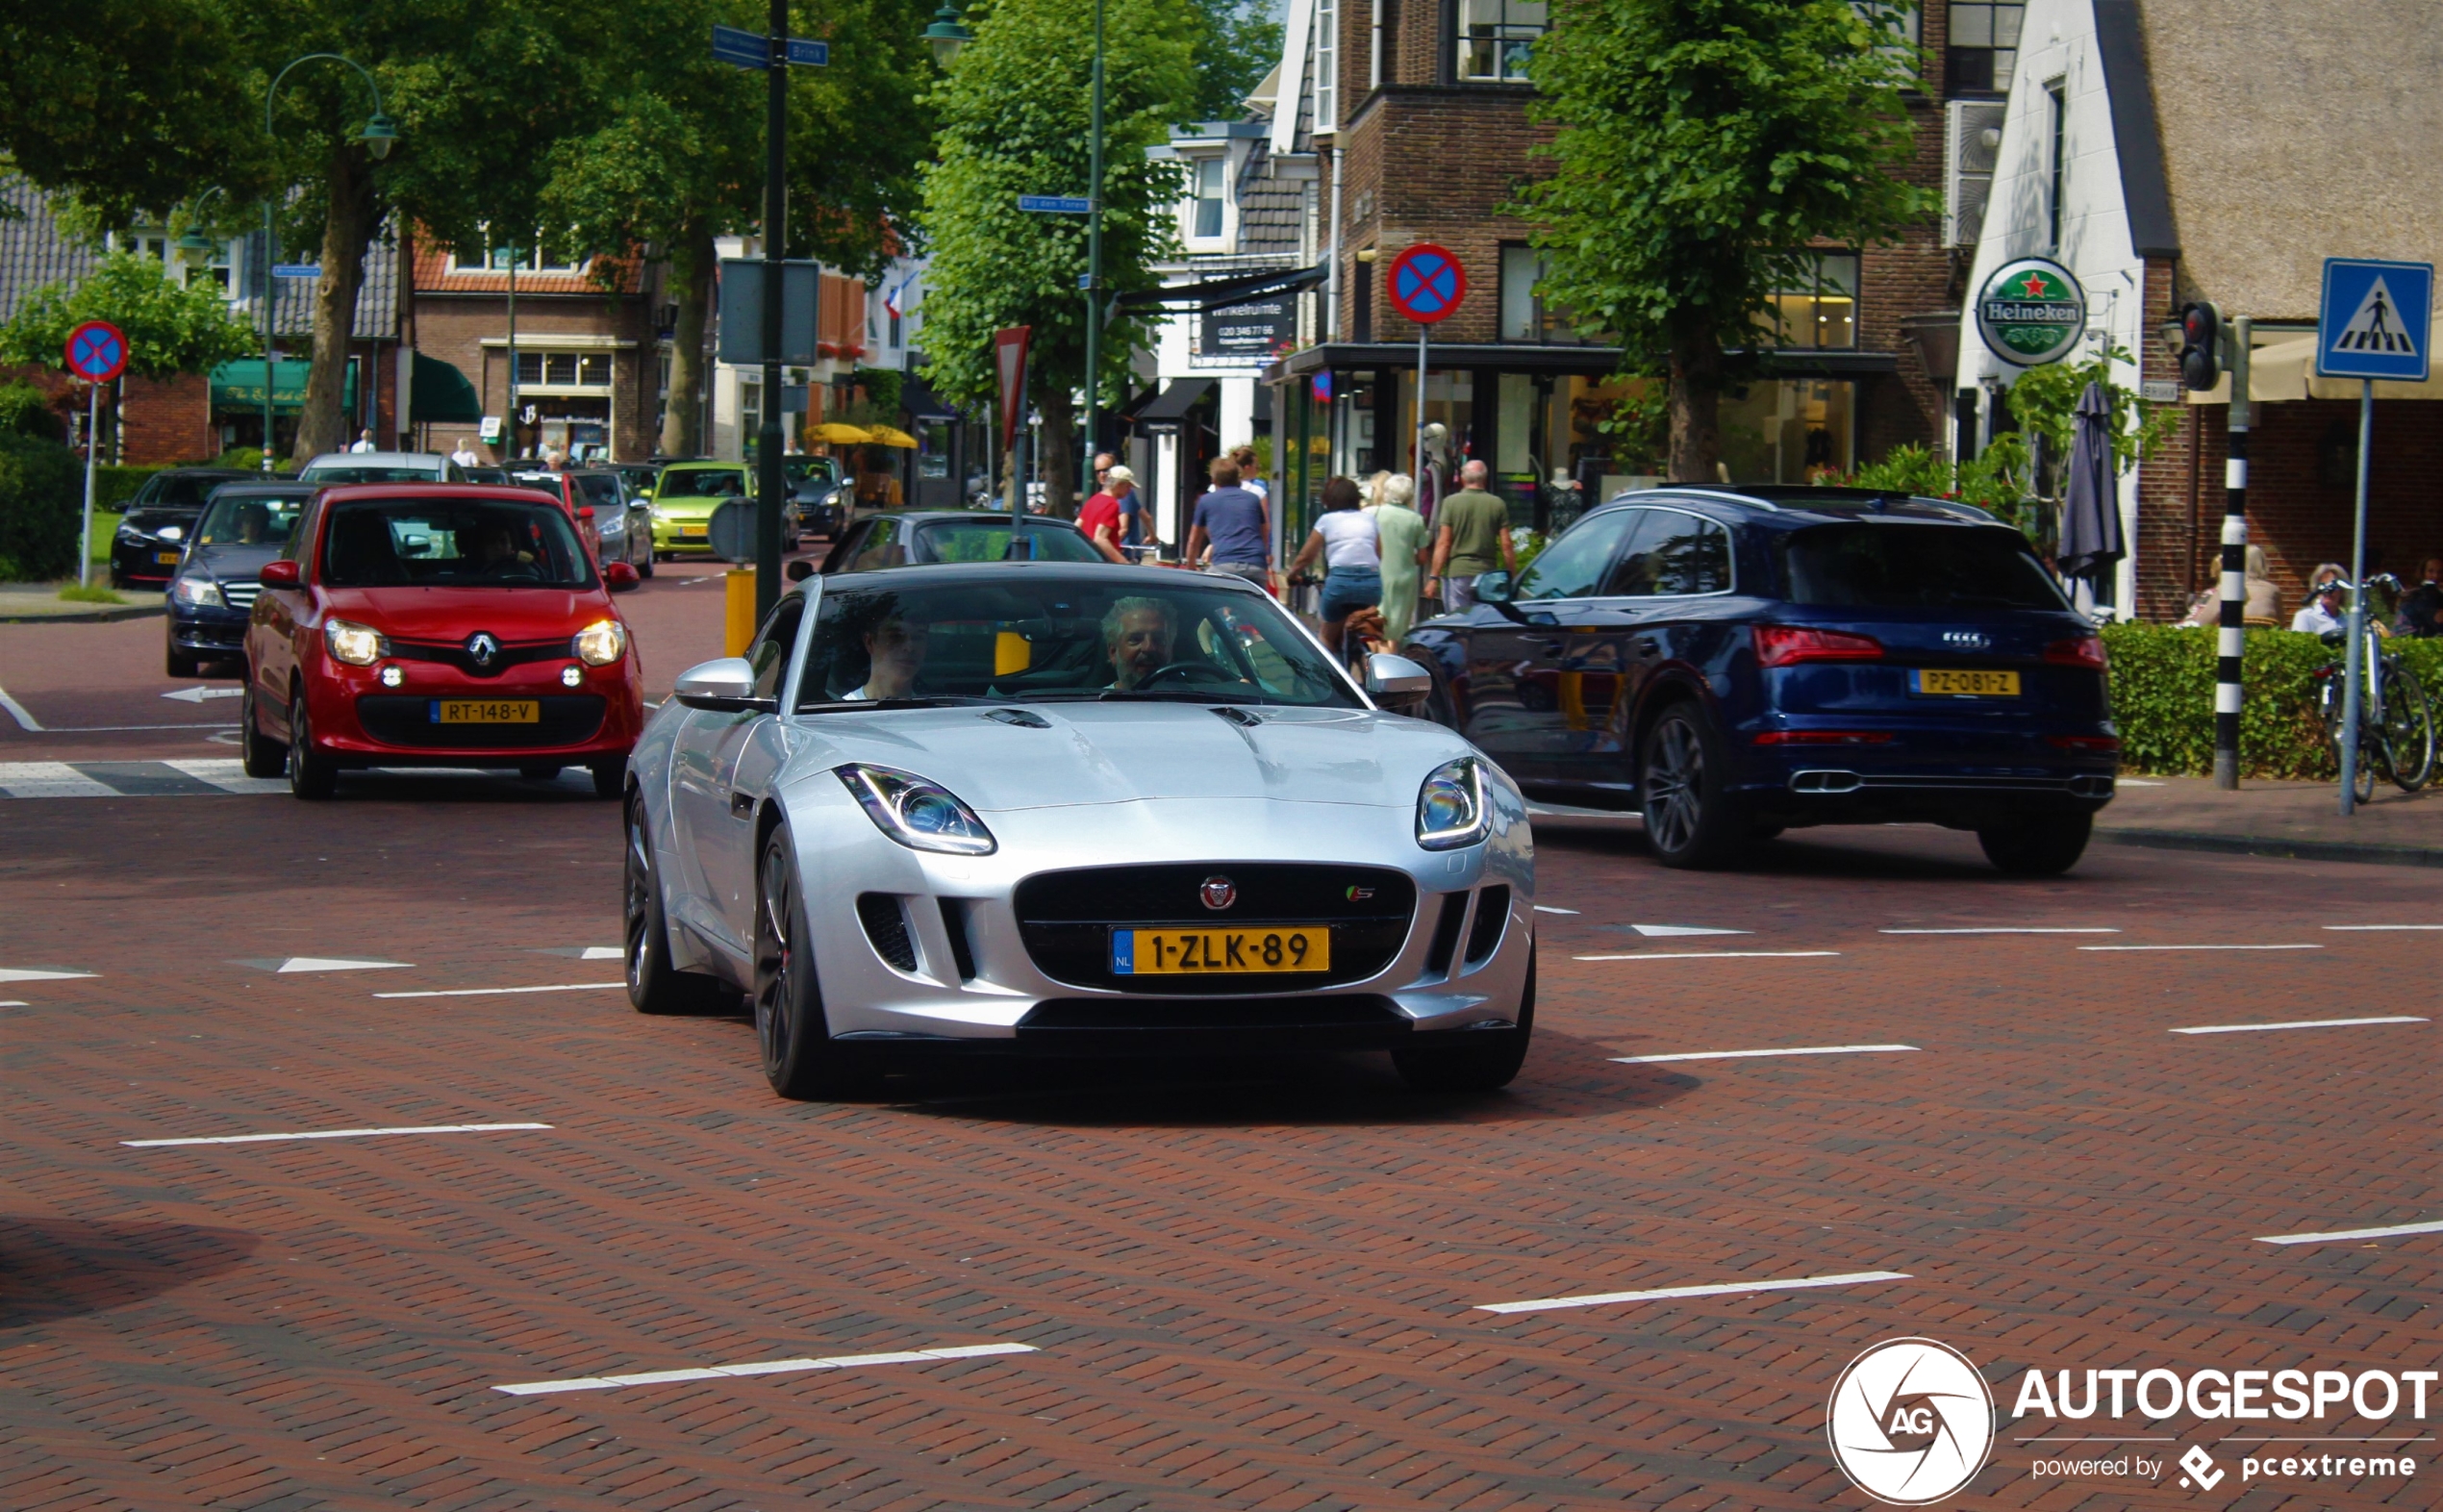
column 1352, row 561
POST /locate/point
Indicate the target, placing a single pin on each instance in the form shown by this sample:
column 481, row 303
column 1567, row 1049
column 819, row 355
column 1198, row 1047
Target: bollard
column 737, row 624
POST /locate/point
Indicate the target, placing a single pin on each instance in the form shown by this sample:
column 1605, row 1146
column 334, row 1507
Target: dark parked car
column 818, row 494
column 1735, row 662
column 244, row 526
column 159, row 517
column 908, row 537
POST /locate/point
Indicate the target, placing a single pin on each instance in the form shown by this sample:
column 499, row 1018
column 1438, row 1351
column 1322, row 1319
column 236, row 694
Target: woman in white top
column 1344, row 535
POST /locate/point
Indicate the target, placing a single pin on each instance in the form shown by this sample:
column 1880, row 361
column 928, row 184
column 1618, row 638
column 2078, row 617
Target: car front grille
column 455, row 655
column 406, row 719
column 240, row 595
column 1066, row 919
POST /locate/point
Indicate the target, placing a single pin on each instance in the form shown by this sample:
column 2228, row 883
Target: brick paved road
column 1247, row 1286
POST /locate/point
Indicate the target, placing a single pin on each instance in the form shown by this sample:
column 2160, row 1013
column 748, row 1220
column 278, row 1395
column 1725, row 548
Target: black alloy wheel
column 310, row 773
column 654, row 986
column 2042, row 848
column 259, row 753
column 1691, row 822
column 1479, row 1060
column 801, row 1058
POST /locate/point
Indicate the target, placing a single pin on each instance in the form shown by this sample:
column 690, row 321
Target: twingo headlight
column 601, row 643
column 1450, row 807
column 919, row 813
column 357, row 645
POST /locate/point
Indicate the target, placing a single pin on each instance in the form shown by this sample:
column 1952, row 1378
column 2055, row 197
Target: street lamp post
column 379, row 133
column 1094, row 251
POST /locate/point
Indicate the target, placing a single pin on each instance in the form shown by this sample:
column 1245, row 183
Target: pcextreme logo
column 1911, row 1422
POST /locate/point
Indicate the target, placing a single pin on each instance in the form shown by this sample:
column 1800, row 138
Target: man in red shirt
column 1100, row 518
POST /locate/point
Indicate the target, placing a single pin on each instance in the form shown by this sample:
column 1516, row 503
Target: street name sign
column 296, row 270
column 97, row 351
column 745, row 49
column 2031, row 311
column 1056, row 203
column 2377, row 320
column 1427, row 283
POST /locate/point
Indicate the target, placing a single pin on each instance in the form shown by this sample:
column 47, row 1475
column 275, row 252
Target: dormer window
column 1208, row 180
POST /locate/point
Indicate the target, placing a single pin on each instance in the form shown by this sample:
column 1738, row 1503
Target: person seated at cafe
column 2325, row 611
column 2421, row 609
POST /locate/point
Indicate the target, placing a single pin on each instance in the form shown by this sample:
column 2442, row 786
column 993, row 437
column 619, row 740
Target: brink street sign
column 2031, row 311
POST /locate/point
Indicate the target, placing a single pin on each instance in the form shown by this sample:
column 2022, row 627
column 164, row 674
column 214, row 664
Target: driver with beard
column 1138, row 635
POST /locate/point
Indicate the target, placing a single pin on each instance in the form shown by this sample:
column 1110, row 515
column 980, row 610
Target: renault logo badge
column 481, row 648
column 1219, row 893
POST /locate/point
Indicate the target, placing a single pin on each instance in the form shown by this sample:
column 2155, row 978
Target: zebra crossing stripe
column 193, row 777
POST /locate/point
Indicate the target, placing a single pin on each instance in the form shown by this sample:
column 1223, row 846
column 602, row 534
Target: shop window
column 1205, row 212
column 1790, row 431
column 1496, row 38
column 1820, row 308
column 1524, row 314
column 564, row 369
column 1984, row 46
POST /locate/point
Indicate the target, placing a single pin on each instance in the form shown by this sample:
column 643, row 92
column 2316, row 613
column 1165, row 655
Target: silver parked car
column 381, row 467
column 1071, row 808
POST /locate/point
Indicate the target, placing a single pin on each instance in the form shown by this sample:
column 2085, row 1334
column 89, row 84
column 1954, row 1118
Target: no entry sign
column 97, row 352
column 1427, row 283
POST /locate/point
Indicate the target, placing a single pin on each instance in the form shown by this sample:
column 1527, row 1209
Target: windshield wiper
column 1172, row 695
column 848, row 705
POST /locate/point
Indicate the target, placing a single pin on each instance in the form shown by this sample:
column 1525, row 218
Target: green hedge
column 41, row 500
column 2163, row 699
column 113, row 487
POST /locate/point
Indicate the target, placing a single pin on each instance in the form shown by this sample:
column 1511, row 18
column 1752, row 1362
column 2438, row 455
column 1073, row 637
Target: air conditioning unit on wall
column 1971, row 142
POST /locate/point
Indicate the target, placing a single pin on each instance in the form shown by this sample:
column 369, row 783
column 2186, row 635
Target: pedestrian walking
column 1250, row 477
column 1352, row 562
column 1231, row 530
column 465, row 456
column 1472, row 536
column 1100, row 522
column 363, row 441
column 1402, row 538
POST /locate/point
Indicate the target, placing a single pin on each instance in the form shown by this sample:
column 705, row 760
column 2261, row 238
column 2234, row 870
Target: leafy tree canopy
column 171, row 329
column 1237, row 43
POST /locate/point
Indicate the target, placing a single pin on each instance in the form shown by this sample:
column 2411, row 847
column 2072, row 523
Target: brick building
column 1419, row 112
column 2220, row 150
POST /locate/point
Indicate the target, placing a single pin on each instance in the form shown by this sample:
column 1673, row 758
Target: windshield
column 988, row 540
column 451, row 543
column 599, row 489
column 1050, row 639
column 256, row 519
column 180, row 489
column 703, row 483
column 800, row 468
column 1893, row 566
column 393, row 473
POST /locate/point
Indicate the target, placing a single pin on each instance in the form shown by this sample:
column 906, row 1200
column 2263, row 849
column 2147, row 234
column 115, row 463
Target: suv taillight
column 1785, row 645
column 2086, row 651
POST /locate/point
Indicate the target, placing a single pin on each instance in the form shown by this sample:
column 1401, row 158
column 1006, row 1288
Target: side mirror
column 799, row 570
column 1396, row 683
column 620, row 576
column 282, row 573
column 724, row 685
column 584, row 511
column 1494, row 586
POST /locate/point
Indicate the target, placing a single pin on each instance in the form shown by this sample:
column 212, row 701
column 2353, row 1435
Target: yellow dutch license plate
column 487, row 711
column 1219, row 952
column 1948, row 682
column 166, row 558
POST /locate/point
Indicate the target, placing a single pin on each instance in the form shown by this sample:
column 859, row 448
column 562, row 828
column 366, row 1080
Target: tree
column 1014, row 119
column 1237, row 42
column 171, row 329
column 1701, row 147
column 678, row 159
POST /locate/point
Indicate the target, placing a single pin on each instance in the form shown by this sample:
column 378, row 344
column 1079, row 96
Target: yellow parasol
column 890, row 435
column 840, row 435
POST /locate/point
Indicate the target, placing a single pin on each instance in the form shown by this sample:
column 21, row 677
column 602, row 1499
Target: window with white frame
column 1496, row 38
column 1984, row 46
column 541, row 253
column 1208, row 178
column 564, row 370
column 1327, row 67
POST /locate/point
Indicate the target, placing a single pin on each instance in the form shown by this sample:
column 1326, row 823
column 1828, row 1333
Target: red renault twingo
column 438, row 624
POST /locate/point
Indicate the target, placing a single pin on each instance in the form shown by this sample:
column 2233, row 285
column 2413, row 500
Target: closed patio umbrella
column 2091, row 539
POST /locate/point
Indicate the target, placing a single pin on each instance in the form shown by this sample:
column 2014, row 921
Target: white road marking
column 495, row 992
column 1740, row 1056
column 1668, row 1293
column 713, row 1372
column 2395, row 1231
column 30, row 974
column 16, row 1002
column 1706, row 955
column 227, row 774
column 2295, row 1024
column 2206, row 947
column 266, row 1139
column 601, row 953
column 1543, row 908
column 2366, row 928
column 1672, row 931
column 199, row 693
column 2006, row 930
column 313, row 963
column 17, row 712
column 2135, row 782
column 50, row 779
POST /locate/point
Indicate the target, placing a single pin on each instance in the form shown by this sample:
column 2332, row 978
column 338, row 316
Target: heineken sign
column 2031, row 311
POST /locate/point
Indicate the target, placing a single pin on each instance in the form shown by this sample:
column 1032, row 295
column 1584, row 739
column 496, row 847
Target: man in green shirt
column 1471, row 531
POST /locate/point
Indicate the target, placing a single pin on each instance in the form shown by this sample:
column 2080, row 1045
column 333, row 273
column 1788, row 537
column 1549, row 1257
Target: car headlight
column 170, row 533
column 1450, row 806
column 128, row 532
column 198, row 592
column 601, row 643
column 919, row 813
column 357, row 645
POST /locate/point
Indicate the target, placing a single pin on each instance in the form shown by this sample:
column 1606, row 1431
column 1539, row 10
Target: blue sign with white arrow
column 2377, row 320
column 1056, row 203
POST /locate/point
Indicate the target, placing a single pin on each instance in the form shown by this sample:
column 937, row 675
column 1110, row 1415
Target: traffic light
column 2200, row 345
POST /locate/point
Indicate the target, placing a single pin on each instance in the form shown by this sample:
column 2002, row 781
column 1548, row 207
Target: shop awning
column 1172, row 404
column 238, row 386
column 2282, row 367
column 441, row 394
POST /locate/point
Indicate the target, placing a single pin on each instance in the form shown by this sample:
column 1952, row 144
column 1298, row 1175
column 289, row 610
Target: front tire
column 259, row 753
column 1691, row 820
column 2045, row 849
column 610, row 777
column 183, row 664
column 654, row 986
column 311, row 776
column 1483, row 1060
column 2409, row 730
column 801, row 1060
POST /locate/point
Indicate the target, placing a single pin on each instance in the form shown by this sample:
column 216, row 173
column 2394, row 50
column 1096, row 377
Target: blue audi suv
column 1735, row 662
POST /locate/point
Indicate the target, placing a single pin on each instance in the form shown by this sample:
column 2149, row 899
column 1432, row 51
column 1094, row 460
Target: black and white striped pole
column 2231, row 639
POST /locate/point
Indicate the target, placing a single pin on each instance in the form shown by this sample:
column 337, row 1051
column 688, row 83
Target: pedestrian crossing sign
column 2377, row 320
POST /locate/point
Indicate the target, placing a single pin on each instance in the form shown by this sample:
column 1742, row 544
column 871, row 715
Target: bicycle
column 2396, row 727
